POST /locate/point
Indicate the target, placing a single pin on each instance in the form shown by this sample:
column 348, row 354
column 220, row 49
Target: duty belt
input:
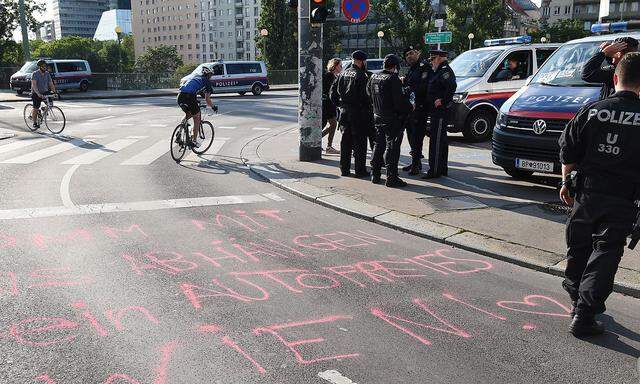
column 609, row 186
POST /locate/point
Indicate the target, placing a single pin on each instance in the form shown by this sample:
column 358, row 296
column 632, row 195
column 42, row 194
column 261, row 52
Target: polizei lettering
column 559, row 99
column 615, row 117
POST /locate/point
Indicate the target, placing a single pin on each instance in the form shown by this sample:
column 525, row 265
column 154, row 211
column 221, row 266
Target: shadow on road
column 611, row 339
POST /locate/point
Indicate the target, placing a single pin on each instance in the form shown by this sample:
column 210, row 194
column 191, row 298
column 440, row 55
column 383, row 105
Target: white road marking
column 261, row 129
column 101, row 118
column 134, row 112
column 47, row 152
column 157, row 125
column 94, row 137
column 216, row 146
column 273, row 196
column 335, row 377
column 137, row 137
column 100, row 153
column 136, row 206
column 224, row 127
column 150, row 154
column 125, row 125
column 64, row 186
column 261, row 168
column 19, row 144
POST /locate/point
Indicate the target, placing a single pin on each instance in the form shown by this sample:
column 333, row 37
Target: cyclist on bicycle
column 187, row 98
column 41, row 84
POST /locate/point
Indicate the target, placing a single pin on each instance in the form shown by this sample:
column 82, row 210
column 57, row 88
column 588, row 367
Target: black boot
column 415, row 169
column 574, row 305
column 429, row 175
column 407, row 168
column 375, row 178
column 585, row 325
column 395, row 182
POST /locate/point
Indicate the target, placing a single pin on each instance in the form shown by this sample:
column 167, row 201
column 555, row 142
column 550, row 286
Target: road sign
column 439, row 23
column 438, row 38
column 355, row 11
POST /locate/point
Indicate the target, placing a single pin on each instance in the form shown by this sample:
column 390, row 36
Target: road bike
column 52, row 116
column 181, row 139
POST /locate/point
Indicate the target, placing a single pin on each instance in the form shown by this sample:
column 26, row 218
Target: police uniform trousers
column 353, row 142
column 438, row 145
column 389, row 133
column 596, row 235
column 416, row 131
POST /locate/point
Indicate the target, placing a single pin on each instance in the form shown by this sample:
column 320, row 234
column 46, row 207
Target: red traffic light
column 318, row 11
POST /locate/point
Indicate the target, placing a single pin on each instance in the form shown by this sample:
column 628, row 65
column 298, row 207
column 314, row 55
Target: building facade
column 587, row 11
column 77, row 17
column 553, row 11
column 47, row 31
column 110, row 20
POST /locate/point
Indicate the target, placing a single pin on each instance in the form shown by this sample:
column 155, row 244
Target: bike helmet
column 206, row 71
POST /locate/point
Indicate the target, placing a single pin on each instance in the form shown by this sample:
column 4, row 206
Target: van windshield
column 474, row 63
column 29, row 66
column 564, row 67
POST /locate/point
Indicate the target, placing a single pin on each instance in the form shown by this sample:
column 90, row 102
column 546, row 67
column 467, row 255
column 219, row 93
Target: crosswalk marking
column 101, row 118
column 223, row 127
column 19, row 144
column 125, row 125
column 95, row 137
column 137, row 111
column 216, row 146
column 137, row 137
column 100, row 153
column 47, row 152
column 150, row 154
column 261, row 129
column 157, row 125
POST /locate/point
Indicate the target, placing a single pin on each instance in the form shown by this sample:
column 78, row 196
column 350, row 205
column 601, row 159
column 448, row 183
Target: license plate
column 531, row 165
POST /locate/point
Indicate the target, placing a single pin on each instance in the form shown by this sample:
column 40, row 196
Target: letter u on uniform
column 611, row 140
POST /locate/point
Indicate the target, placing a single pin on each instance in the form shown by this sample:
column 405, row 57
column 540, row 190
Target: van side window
column 217, row 70
column 542, row 54
column 234, row 69
column 252, row 68
column 76, row 66
column 517, row 65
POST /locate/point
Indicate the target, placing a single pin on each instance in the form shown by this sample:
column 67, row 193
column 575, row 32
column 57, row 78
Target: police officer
column 601, row 143
column 349, row 93
column 594, row 72
column 391, row 106
column 442, row 86
column 417, row 79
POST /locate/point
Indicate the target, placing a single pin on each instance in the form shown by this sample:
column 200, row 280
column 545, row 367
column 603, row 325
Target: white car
column 234, row 76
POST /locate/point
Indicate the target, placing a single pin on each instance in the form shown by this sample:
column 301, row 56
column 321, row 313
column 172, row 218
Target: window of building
column 624, row 6
column 612, row 7
column 247, row 24
column 567, row 9
column 222, row 56
column 256, row 11
column 248, row 34
column 189, row 46
column 190, row 57
column 587, row 25
column 634, row 6
column 556, row 10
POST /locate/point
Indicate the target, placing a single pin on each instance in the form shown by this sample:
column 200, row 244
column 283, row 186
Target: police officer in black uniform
column 417, row 79
column 601, row 143
column 442, row 86
column 349, row 93
column 594, row 72
column 391, row 107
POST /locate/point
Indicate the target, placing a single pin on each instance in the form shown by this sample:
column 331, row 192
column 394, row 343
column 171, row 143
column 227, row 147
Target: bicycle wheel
column 55, row 120
column 178, row 143
column 205, row 138
column 28, row 119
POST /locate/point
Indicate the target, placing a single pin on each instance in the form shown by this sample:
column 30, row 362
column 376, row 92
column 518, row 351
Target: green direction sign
column 438, row 38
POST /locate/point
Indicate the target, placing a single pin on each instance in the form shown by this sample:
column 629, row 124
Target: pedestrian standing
column 601, row 143
column 349, row 93
column 612, row 53
column 391, row 106
column 417, row 79
column 442, row 86
column 334, row 67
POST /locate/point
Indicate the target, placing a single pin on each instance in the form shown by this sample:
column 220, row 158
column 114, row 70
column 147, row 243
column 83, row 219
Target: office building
column 47, row 31
column 587, row 11
column 110, row 20
column 77, row 17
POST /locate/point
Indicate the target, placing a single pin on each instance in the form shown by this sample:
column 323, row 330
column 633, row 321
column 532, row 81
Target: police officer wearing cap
column 612, row 53
column 391, row 106
column 417, row 79
column 349, row 93
column 442, row 86
column 601, row 143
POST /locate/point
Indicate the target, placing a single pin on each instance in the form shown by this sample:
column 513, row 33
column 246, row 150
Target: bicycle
column 52, row 116
column 181, row 138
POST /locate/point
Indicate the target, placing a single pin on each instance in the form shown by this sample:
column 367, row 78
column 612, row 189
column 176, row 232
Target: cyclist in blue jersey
column 188, row 101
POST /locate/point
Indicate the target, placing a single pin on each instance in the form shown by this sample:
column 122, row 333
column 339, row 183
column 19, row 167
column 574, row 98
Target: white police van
column 67, row 74
column 234, row 76
column 525, row 138
column 484, row 81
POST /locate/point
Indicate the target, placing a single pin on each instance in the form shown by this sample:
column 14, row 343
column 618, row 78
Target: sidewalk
column 521, row 231
column 9, row 96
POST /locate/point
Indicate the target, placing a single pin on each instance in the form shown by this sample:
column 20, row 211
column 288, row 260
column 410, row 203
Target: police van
column 487, row 77
column 66, row 74
column 373, row 65
column 525, row 138
column 235, row 76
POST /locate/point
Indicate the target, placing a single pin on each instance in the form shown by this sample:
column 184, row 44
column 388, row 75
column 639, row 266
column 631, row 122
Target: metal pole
column 310, row 78
column 25, row 33
column 439, row 30
column 379, row 47
column 469, row 44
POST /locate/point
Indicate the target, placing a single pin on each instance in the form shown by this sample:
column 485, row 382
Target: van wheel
column 518, row 173
column 19, row 91
column 479, row 126
column 84, row 86
column 242, row 93
column 256, row 89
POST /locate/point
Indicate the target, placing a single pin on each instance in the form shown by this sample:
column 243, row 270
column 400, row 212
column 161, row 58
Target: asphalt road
column 120, row 266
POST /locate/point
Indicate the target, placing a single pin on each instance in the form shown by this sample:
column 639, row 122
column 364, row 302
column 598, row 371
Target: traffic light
column 318, row 11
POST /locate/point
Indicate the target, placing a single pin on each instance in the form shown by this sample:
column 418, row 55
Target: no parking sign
column 355, row 11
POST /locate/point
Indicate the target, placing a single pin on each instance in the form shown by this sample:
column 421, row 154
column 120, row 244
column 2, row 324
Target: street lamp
column 118, row 31
column 264, row 33
column 543, row 40
column 470, row 36
column 380, row 36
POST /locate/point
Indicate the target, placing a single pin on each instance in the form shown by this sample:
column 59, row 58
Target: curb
column 524, row 256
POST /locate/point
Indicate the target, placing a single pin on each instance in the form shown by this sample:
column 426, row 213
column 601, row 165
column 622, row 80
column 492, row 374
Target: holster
column 634, row 237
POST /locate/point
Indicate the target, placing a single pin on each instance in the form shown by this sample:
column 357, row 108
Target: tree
column 404, row 22
column 484, row 18
column 561, row 31
column 280, row 47
column 163, row 58
column 72, row 47
column 331, row 34
column 9, row 21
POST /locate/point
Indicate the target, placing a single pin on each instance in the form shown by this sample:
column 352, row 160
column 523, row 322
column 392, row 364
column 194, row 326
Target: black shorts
column 189, row 103
column 37, row 101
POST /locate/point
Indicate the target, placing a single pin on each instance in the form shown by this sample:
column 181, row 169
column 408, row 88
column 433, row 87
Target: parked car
column 67, row 74
column 373, row 65
column 235, row 76
column 483, row 86
column 525, row 138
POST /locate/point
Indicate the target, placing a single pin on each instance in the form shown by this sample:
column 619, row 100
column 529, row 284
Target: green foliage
column 185, row 69
column 163, row 58
column 10, row 17
column 404, row 22
column 280, row 47
column 331, row 35
column 10, row 54
column 484, row 18
column 560, row 32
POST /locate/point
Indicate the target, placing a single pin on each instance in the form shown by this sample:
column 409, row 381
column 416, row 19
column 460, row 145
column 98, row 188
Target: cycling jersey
column 197, row 85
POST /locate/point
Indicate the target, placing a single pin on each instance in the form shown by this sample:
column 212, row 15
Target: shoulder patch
column 446, row 75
